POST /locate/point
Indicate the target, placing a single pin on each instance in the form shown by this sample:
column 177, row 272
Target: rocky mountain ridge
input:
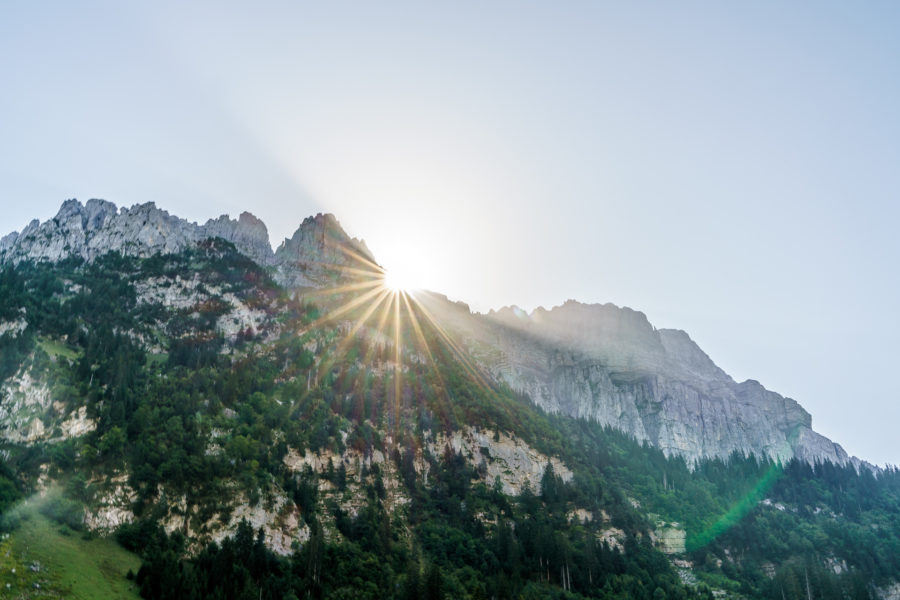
column 318, row 247
column 610, row 365
column 598, row 362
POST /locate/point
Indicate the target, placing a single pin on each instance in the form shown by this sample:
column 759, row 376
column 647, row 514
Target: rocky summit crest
column 92, row 229
column 610, row 365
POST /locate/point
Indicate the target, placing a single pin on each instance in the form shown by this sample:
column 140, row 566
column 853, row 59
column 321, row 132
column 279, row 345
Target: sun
column 400, row 280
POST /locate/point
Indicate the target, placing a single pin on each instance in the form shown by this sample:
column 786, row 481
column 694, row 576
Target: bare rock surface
column 609, row 364
column 669, row 538
column 28, row 413
column 501, row 457
column 317, row 251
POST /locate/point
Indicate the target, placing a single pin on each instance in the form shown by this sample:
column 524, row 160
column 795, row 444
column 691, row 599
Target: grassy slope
column 56, row 348
column 70, row 566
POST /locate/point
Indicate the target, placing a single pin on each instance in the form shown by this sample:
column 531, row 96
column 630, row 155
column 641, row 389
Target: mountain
column 598, row 362
column 98, row 227
column 610, row 365
column 257, row 423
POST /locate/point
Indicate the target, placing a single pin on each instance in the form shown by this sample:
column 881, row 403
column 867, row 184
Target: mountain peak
column 92, row 214
column 97, row 227
column 322, row 231
column 248, row 233
column 332, row 250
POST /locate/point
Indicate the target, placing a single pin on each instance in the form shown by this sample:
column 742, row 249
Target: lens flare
column 402, row 324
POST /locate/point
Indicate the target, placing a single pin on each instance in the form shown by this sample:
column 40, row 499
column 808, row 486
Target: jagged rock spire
column 318, row 247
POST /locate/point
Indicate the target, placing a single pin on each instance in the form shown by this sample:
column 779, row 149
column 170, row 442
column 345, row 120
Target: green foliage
column 187, row 413
column 10, row 494
column 64, row 511
column 62, row 563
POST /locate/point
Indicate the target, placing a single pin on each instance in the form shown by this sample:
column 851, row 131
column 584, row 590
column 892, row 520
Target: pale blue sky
column 728, row 168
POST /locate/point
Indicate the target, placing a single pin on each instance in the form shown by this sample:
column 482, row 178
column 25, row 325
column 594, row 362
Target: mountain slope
column 285, row 425
column 609, row 364
column 598, row 362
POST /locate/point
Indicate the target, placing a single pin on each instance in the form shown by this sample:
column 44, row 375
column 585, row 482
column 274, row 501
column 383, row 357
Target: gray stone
column 610, row 365
column 318, row 252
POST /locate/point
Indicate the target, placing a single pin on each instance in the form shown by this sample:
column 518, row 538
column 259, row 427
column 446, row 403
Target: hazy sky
column 730, row 169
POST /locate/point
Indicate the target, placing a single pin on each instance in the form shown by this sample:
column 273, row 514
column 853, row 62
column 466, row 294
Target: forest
column 189, row 413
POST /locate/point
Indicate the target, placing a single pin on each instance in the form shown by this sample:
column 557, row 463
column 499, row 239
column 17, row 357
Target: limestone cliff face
column 30, row 413
column 317, row 250
column 248, row 234
column 98, row 227
column 609, row 364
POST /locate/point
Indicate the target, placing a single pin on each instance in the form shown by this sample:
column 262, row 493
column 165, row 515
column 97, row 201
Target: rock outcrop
column 29, row 414
column 509, row 460
column 501, row 458
column 318, row 251
column 248, row 234
column 278, row 519
column 669, row 538
column 610, row 365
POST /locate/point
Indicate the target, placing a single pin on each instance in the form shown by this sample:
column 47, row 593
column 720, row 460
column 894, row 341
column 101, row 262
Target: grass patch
column 56, row 349
column 70, row 566
column 18, row 580
column 155, row 360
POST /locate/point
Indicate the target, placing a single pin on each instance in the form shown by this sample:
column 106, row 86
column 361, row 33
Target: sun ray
column 400, row 313
column 476, row 376
column 382, row 295
column 361, row 321
column 397, row 368
column 336, row 350
column 385, row 307
column 330, row 316
column 421, row 335
column 376, row 272
column 352, row 254
column 379, row 326
column 359, row 257
column 460, row 355
column 345, row 308
column 341, row 246
column 415, row 324
column 350, row 287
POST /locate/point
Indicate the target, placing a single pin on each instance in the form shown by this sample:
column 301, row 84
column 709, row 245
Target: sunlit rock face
column 317, row 253
column 248, row 234
column 98, row 227
column 609, row 364
column 509, row 460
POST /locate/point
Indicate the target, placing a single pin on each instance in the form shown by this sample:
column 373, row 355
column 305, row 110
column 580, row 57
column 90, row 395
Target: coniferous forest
column 190, row 418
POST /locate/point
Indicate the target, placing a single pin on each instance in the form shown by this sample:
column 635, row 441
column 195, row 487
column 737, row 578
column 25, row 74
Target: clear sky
column 730, row 169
